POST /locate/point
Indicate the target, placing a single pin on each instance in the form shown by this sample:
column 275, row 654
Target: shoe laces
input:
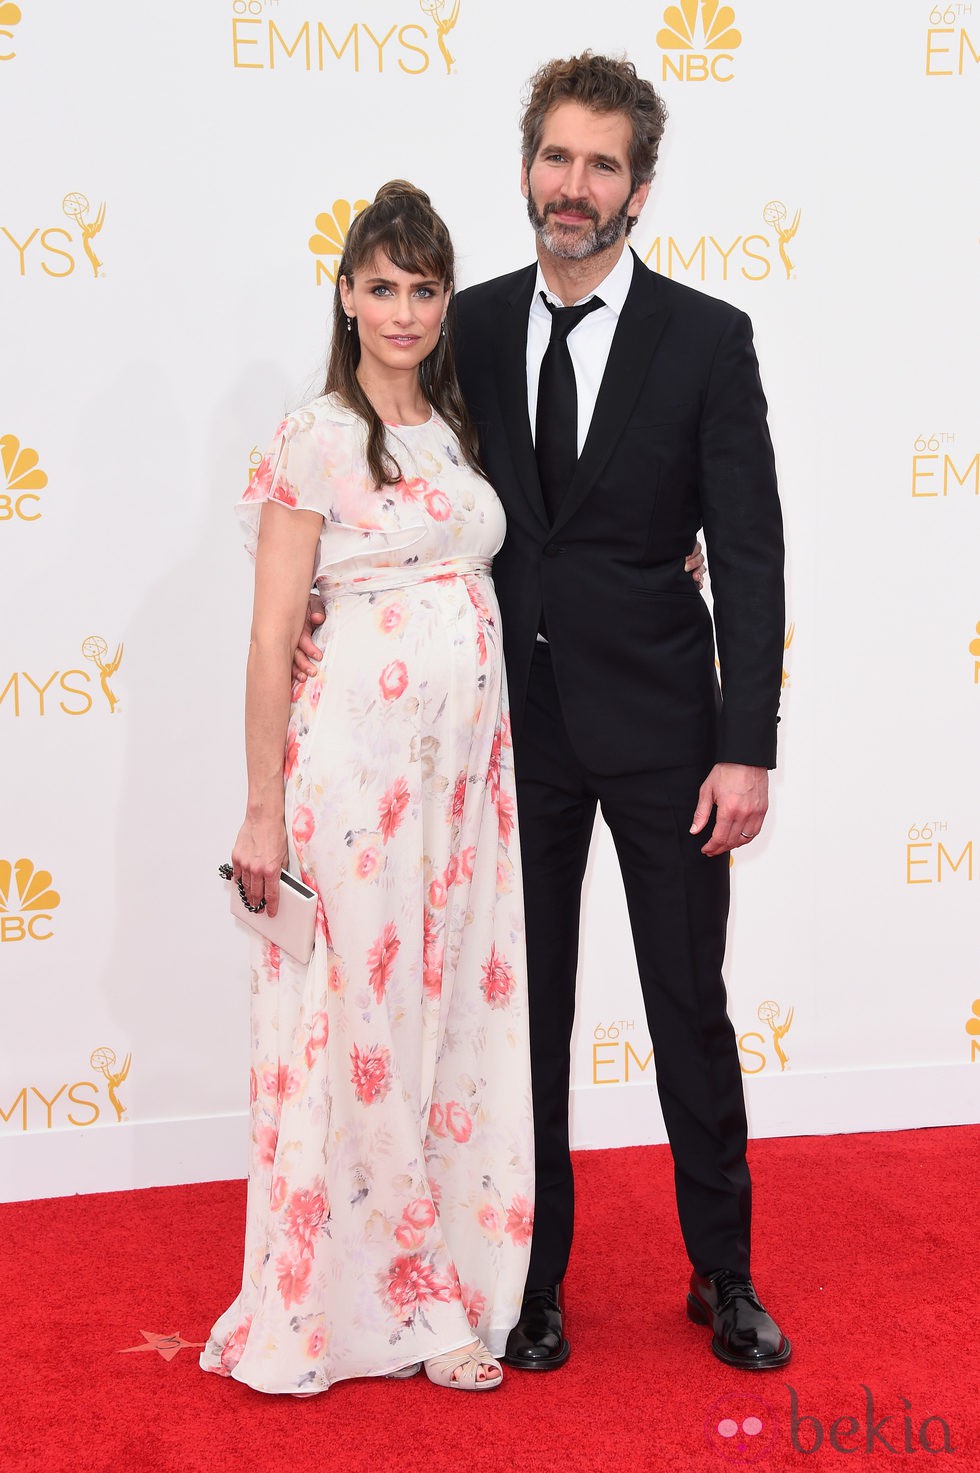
column 731, row 1285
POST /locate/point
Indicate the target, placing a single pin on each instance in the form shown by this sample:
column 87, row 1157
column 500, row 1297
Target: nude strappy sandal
column 464, row 1366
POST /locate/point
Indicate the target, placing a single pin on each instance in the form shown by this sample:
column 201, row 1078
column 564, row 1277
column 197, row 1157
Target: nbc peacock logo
column 10, row 16
column 697, row 39
column 23, row 478
column 327, row 244
column 27, row 900
column 973, row 1030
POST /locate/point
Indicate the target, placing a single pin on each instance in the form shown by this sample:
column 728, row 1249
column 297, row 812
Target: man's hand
column 695, row 564
column 742, row 798
column 306, row 653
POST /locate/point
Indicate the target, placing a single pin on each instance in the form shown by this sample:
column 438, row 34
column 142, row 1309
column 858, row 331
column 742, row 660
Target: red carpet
column 865, row 1250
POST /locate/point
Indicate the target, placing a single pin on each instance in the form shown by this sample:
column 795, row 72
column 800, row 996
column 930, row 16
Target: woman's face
column 399, row 314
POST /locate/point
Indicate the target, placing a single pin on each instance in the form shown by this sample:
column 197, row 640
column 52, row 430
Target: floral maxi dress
column 391, row 1158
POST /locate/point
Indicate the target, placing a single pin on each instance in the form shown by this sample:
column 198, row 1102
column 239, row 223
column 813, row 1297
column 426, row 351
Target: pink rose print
column 253, row 1086
column 370, row 1075
column 303, row 825
column 432, row 957
column 368, row 863
column 493, row 768
column 317, row 1041
column 273, row 959
column 279, row 1192
column 315, row 1343
column 459, row 798
column 391, row 809
column 261, row 483
column 417, row 1217
column 452, row 869
column 437, row 894
column 304, row 1217
column 437, row 1120
column 467, row 859
column 293, row 1279
column 282, row 1082
column 520, row 1221
column 266, row 1140
column 505, row 816
column 438, row 505
column 490, row 1221
column 322, row 924
column 410, row 1282
column 292, row 755
column 459, row 1121
column 474, row 1305
column 498, row 980
column 413, row 489
column 285, row 493
column 235, row 1346
column 505, row 729
column 336, row 980
column 391, row 617
column 381, row 959
column 393, row 680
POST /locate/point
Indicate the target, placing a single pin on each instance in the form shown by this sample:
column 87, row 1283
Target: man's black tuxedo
column 678, row 441
column 622, row 706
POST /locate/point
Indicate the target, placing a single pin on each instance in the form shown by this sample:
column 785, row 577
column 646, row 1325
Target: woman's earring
column 348, row 324
column 443, row 329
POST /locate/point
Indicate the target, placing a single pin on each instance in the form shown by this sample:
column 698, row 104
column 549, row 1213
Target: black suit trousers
column 678, row 907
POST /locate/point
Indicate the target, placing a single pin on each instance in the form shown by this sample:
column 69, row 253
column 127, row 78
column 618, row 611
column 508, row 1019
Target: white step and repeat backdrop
column 175, row 187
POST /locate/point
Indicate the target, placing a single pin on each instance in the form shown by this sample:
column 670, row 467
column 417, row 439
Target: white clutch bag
column 292, row 928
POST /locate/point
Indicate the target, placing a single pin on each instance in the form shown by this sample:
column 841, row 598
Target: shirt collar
column 613, row 289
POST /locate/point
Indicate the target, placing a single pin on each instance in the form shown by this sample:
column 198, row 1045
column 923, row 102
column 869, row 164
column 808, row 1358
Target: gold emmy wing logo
column 23, row 478
column 443, row 23
column 693, row 28
column 9, row 16
column 103, row 1060
column 774, row 214
column 331, row 233
column 76, row 207
column 973, row 1029
column 786, row 644
column 94, row 648
column 768, row 1012
column 26, row 901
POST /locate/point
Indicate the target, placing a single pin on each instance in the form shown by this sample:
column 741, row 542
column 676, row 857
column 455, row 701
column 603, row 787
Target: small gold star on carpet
column 165, row 1345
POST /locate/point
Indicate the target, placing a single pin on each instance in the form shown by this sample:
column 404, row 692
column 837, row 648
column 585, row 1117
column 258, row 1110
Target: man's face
column 578, row 186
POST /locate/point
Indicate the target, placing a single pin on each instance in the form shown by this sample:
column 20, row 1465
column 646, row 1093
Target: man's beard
column 569, row 244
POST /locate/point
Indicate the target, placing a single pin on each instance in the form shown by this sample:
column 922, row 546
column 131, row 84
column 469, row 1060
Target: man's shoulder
column 677, row 296
column 498, row 288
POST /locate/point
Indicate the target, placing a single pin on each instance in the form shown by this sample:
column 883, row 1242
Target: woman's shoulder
column 327, row 410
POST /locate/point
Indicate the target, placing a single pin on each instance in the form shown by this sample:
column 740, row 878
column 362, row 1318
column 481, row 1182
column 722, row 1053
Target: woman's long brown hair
column 402, row 224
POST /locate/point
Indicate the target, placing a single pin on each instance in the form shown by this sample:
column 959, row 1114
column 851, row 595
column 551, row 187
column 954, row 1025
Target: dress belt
column 388, row 580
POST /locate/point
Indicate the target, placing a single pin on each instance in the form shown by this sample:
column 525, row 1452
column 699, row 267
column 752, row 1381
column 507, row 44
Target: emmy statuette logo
column 774, row 214
column 27, row 899
column 23, row 478
column 331, row 233
column 435, row 10
column 768, row 1012
column 697, row 39
column 94, row 648
column 76, row 207
column 104, row 1060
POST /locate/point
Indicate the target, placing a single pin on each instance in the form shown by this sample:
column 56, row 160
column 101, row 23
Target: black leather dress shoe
column 744, row 1335
column 537, row 1342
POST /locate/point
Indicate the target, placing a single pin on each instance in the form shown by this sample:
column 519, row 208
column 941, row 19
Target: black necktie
column 556, row 419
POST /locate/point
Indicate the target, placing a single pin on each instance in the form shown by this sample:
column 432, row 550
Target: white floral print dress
column 391, row 1156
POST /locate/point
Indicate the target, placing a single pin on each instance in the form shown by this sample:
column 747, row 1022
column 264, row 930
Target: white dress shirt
column 589, row 341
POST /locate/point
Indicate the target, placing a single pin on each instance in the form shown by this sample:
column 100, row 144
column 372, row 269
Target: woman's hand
column 258, row 857
column 306, row 653
column 695, row 564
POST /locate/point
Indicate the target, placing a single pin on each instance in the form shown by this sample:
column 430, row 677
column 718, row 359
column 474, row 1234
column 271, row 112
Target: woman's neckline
column 393, row 425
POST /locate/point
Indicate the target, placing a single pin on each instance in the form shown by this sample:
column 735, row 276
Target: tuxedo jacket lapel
column 510, row 354
column 638, row 332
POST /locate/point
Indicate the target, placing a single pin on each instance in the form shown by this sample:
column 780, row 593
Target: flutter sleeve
column 301, row 468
